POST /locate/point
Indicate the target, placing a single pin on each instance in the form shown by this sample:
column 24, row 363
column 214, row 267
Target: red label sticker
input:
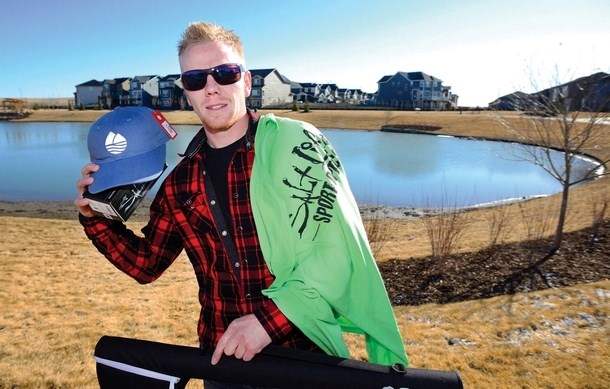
column 169, row 130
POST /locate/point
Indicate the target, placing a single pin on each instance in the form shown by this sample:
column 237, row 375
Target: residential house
column 368, row 98
column 355, row 96
column 342, row 95
column 328, row 93
column 171, row 93
column 115, row 92
column 348, row 96
column 88, row 93
column 511, row 102
column 589, row 93
column 306, row 91
column 269, row 88
column 414, row 90
column 450, row 98
column 144, row 91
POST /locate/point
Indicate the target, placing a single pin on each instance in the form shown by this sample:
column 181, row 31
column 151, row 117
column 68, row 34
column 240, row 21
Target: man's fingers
column 218, row 351
column 89, row 168
column 244, row 338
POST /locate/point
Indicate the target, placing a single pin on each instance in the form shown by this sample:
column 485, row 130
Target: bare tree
column 568, row 117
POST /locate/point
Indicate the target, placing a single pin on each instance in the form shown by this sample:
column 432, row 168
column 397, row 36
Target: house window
column 256, row 92
column 257, row 82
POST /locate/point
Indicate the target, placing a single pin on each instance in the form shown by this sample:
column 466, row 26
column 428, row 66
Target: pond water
column 42, row 161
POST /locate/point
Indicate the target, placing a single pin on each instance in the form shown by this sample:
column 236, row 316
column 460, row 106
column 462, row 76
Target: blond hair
column 202, row 32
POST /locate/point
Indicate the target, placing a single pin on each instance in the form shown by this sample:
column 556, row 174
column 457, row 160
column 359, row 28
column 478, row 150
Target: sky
column 483, row 49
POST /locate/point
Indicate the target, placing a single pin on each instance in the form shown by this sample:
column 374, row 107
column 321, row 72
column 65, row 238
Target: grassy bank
column 58, row 296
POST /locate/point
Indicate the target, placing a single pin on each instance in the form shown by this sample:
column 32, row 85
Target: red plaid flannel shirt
column 180, row 218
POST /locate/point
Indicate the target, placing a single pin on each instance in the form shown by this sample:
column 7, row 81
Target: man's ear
column 247, row 83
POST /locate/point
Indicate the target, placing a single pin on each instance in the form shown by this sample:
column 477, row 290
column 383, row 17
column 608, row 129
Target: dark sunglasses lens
column 224, row 75
column 227, row 74
column 194, row 80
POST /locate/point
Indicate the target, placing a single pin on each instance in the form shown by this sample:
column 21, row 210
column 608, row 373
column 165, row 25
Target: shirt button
column 224, row 233
column 236, row 264
column 213, row 202
column 235, row 195
column 248, row 295
column 240, row 228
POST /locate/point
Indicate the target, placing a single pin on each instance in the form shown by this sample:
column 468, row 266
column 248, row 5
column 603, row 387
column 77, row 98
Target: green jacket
column 314, row 242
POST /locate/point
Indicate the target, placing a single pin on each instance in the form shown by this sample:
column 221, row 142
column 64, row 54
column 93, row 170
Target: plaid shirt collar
column 200, row 139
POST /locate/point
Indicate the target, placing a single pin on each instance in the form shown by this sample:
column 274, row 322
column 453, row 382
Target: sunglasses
column 225, row 74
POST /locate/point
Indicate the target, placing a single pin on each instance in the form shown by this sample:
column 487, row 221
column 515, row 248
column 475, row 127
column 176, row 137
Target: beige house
column 269, row 88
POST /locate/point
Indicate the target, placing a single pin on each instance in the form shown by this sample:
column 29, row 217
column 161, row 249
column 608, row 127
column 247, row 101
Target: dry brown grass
column 58, row 296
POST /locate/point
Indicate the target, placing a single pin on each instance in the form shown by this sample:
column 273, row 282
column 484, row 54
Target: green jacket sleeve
column 314, row 242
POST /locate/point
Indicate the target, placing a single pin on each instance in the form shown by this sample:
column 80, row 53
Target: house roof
column 509, row 98
column 261, row 72
column 170, row 77
column 90, row 83
column 144, row 78
column 265, row 72
column 331, row 86
column 411, row 76
column 116, row 80
column 418, row 76
column 581, row 81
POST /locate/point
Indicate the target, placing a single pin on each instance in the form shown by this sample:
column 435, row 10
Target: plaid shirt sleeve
column 274, row 321
column 142, row 258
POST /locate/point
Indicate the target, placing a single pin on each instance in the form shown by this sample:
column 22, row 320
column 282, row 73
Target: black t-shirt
column 217, row 167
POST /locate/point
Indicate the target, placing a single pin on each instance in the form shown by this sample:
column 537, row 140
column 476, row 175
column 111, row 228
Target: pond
column 42, row 161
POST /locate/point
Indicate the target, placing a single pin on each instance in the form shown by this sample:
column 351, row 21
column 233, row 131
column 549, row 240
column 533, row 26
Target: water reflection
column 406, row 156
column 42, row 161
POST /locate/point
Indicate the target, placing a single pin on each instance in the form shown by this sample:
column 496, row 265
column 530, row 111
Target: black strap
column 221, row 225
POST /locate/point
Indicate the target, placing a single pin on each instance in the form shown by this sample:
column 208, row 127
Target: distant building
column 269, row 88
column 115, row 92
column 88, row 93
column 171, row 94
column 511, row 102
column 328, row 93
column 414, row 90
column 590, row 93
column 144, row 91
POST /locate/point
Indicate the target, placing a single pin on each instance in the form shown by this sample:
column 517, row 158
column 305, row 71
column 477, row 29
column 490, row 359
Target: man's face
column 219, row 107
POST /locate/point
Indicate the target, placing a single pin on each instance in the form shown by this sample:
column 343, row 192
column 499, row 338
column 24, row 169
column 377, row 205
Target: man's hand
column 81, row 185
column 244, row 338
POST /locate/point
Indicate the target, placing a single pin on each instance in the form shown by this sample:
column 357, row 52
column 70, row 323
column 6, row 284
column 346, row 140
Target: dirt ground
column 505, row 269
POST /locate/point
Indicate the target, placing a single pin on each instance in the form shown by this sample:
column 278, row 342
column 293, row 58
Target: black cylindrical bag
column 134, row 363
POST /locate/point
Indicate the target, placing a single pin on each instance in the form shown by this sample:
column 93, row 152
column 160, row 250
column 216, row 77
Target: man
column 222, row 204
